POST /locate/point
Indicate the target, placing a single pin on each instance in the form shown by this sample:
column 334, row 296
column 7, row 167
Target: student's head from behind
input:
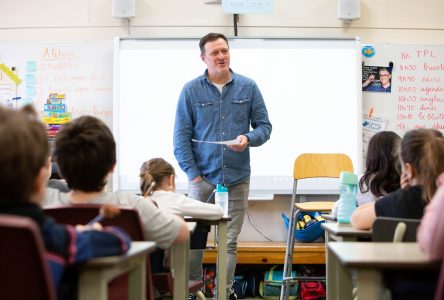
column 29, row 109
column 85, row 152
column 24, row 152
column 382, row 167
column 156, row 174
column 422, row 158
column 384, row 76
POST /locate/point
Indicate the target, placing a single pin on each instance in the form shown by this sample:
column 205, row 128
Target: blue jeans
column 238, row 198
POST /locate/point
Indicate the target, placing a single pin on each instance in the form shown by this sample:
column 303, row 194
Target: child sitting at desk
column 157, row 182
column 85, row 152
column 382, row 169
column 422, row 160
column 159, row 174
column 24, row 169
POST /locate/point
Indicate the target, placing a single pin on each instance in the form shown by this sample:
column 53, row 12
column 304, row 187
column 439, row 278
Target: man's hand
column 243, row 143
column 369, row 80
column 197, row 179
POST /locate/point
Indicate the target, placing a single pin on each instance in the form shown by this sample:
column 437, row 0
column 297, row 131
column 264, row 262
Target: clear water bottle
column 347, row 198
column 221, row 198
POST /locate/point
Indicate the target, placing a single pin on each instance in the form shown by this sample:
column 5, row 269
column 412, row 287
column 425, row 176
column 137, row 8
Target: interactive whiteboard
column 312, row 89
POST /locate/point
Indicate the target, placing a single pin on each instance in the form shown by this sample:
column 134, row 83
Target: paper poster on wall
column 370, row 126
column 81, row 70
column 247, row 6
column 376, row 79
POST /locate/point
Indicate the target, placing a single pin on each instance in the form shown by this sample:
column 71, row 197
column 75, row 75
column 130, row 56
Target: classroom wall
column 392, row 21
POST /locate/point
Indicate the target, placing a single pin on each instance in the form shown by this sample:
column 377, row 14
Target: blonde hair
column 152, row 173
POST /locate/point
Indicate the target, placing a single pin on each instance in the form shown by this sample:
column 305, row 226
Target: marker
column 370, row 113
column 16, row 98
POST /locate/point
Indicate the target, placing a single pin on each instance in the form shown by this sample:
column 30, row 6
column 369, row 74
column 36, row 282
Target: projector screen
column 311, row 87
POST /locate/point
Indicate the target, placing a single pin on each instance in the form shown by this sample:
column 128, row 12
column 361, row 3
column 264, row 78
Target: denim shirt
column 203, row 113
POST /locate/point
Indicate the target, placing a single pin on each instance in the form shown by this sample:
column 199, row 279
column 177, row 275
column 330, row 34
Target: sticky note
column 30, row 78
column 30, row 90
column 31, row 66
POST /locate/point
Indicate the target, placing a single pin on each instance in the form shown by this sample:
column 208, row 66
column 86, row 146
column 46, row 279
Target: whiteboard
column 81, row 70
column 417, row 93
column 311, row 88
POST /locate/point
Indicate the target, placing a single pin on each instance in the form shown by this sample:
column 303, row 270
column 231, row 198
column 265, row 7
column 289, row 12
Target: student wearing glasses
column 382, row 85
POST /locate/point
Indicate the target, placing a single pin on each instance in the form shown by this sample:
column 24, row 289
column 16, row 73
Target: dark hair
column 85, row 152
column 24, row 151
column 154, row 170
column 382, row 166
column 385, row 69
column 424, row 150
column 210, row 37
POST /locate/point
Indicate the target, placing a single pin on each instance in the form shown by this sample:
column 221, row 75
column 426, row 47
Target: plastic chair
column 421, row 284
column 309, row 165
column 128, row 220
column 394, row 230
column 24, row 271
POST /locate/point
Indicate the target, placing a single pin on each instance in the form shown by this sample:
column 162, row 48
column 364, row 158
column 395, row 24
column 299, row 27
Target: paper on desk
column 230, row 142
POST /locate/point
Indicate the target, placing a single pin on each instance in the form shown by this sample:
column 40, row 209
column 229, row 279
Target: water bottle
column 347, row 198
column 221, row 198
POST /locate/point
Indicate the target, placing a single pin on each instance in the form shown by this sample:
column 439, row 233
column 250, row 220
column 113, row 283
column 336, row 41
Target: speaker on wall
column 349, row 9
column 124, row 8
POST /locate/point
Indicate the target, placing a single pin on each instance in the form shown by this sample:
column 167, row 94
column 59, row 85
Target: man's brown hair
column 210, row 37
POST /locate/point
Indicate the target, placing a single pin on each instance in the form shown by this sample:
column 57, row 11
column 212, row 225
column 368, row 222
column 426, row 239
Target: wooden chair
column 128, row 220
column 24, row 271
column 394, row 230
column 309, row 165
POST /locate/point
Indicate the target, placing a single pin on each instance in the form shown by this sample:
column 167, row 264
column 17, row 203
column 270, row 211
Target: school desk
column 180, row 253
column 96, row 273
column 335, row 231
column 221, row 271
column 370, row 260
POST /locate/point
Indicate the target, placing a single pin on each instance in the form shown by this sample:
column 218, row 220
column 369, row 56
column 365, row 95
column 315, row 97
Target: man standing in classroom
column 219, row 105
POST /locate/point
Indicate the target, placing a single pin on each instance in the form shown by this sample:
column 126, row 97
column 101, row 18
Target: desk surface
column 136, row 249
column 380, row 255
column 345, row 230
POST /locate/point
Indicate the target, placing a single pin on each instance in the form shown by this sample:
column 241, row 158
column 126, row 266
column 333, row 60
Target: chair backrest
column 24, row 271
column 312, row 165
column 128, row 219
column 395, row 229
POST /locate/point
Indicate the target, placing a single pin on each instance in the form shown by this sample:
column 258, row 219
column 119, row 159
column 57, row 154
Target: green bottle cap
column 221, row 189
column 348, row 178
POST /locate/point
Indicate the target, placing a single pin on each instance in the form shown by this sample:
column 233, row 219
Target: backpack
column 270, row 288
column 312, row 290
